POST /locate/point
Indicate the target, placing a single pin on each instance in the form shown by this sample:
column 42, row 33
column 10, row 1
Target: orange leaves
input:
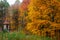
column 24, row 5
column 43, row 16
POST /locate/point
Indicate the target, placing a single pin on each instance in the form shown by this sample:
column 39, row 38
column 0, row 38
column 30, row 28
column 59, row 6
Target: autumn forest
column 30, row 20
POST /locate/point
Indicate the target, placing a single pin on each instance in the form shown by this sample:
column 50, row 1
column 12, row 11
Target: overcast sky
column 12, row 1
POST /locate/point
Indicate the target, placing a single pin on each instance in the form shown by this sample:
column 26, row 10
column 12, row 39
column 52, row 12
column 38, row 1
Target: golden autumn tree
column 43, row 17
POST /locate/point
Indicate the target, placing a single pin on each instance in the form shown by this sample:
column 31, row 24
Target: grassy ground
column 20, row 36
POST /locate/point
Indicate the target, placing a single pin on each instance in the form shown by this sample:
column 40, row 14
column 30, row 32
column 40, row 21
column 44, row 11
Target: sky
column 12, row 1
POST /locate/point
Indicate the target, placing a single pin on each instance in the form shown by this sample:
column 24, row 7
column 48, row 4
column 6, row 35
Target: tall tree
column 15, row 15
column 41, row 15
column 24, row 11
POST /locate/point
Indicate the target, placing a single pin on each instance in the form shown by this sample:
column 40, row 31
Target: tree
column 41, row 15
column 24, row 12
column 3, row 7
column 15, row 18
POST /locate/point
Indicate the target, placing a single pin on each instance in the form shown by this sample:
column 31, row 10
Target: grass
column 21, row 36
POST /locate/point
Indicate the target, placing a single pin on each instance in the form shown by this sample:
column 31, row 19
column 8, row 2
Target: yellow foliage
column 41, row 15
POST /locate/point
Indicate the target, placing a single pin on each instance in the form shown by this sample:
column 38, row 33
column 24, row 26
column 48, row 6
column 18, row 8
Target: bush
column 22, row 36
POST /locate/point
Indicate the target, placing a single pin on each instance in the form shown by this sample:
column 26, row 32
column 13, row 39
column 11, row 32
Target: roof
column 6, row 22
